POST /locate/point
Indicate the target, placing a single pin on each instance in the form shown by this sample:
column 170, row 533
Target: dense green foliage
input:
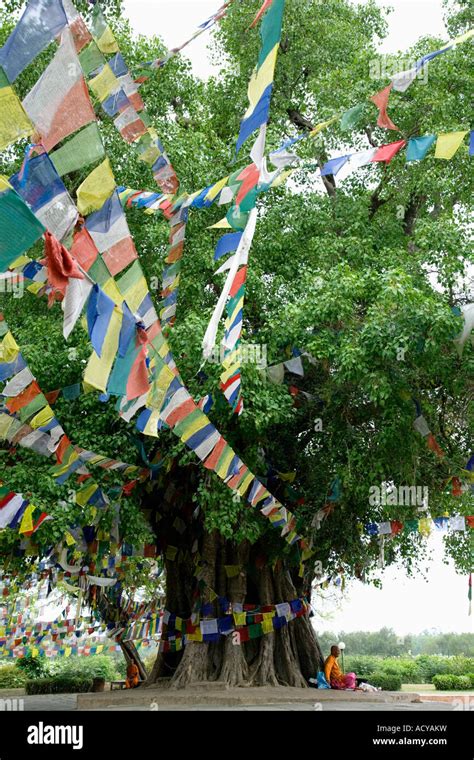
column 11, row 677
column 343, row 272
column 33, row 667
column 98, row 666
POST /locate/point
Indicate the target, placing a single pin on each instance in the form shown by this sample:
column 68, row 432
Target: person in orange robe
column 133, row 676
column 334, row 675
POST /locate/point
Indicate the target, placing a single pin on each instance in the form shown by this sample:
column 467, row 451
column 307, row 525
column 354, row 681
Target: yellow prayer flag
column 229, row 372
column 267, row 625
column 197, row 425
column 9, row 349
column 462, row 37
column 96, row 188
column 222, row 225
column 245, row 483
column 151, row 427
column 85, row 493
column 35, row 287
column 26, row 524
column 107, row 42
column 223, row 466
column 215, row 189
column 240, row 618
column 260, row 80
column 21, row 260
column 99, row 367
column 111, row 290
column 281, row 179
column 70, row 540
column 448, row 144
column 319, row 127
column 14, row 123
column 232, row 571
column 43, row 417
column 104, row 83
column 5, row 424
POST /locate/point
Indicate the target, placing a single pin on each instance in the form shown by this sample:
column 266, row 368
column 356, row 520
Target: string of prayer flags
column 196, row 432
column 111, row 82
column 40, row 23
column 421, row 426
column 261, row 83
column 18, row 512
column 33, row 423
column 455, row 523
column 176, row 632
column 146, row 67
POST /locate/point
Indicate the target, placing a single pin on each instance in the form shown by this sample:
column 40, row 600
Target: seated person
column 334, row 675
column 133, row 676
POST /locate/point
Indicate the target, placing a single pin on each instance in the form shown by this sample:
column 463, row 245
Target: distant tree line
column 386, row 643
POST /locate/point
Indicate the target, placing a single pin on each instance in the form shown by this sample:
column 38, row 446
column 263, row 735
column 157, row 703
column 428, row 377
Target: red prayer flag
column 266, row 5
column 434, row 446
column 387, row 152
column 381, row 101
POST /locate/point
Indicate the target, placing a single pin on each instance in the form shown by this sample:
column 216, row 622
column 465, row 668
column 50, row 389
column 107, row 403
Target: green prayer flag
column 351, row 118
column 255, row 631
column 91, row 58
column 19, row 228
column 84, row 148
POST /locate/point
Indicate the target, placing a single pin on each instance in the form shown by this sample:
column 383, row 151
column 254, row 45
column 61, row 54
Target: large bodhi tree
column 362, row 274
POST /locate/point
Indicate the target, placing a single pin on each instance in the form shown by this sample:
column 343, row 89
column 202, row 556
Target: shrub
column 388, row 681
column 33, row 667
column 59, row 685
column 11, row 677
column 453, row 682
column 443, row 682
column 98, row 666
column 362, row 665
column 432, row 665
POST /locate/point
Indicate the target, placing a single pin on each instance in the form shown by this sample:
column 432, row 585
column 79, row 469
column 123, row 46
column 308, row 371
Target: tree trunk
column 288, row 656
column 130, row 652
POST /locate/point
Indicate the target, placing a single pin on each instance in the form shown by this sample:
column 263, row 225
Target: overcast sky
column 407, row 605
column 176, row 20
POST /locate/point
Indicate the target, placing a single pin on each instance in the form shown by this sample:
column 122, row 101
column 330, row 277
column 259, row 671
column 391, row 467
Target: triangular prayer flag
column 387, row 152
column 418, row 147
column 381, row 101
column 448, row 144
